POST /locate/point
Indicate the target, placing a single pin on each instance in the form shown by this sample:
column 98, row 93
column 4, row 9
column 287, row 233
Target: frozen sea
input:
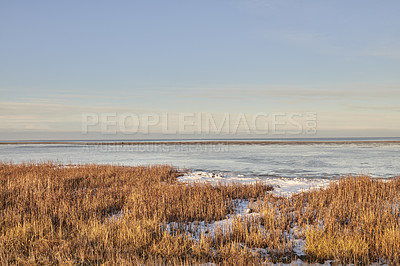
column 288, row 166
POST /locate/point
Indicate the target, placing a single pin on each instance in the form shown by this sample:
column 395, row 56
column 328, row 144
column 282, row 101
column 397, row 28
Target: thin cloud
column 374, row 108
column 291, row 92
column 42, row 115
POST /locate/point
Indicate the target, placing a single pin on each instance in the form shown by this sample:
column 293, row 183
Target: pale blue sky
column 340, row 59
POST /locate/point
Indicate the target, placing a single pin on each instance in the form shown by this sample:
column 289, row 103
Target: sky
column 63, row 63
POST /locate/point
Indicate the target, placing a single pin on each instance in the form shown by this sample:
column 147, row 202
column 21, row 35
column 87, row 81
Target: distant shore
column 207, row 142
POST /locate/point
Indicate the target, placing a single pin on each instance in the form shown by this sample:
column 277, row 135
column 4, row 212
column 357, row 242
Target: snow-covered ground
column 282, row 186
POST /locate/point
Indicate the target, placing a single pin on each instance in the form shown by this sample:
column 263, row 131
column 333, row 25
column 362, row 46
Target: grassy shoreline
column 95, row 214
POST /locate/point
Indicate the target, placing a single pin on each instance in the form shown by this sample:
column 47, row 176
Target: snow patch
column 282, row 186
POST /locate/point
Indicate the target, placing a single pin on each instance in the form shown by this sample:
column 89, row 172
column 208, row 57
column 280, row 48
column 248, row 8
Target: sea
column 298, row 162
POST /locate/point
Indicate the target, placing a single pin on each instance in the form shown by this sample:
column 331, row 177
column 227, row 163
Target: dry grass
column 55, row 214
column 95, row 214
column 359, row 218
column 355, row 220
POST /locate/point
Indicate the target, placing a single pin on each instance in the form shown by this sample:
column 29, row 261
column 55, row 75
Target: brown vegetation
column 50, row 213
column 95, row 214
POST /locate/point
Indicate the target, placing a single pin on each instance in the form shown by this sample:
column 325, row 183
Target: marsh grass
column 94, row 214
column 103, row 214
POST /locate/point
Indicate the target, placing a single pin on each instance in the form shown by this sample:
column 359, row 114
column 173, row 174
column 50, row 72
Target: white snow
column 300, row 247
column 282, row 186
